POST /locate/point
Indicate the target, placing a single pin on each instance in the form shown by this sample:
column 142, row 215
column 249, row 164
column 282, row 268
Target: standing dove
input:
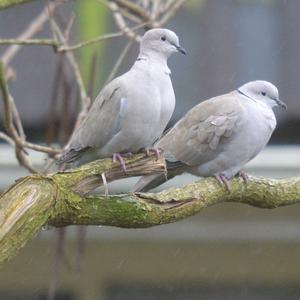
column 219, row 136
column 132, row 111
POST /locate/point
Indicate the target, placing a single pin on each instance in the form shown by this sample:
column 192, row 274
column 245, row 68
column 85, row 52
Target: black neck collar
column 242, row 93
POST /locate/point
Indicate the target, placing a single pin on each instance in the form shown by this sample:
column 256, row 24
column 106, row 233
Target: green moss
column 31, row 215
column 36, row 200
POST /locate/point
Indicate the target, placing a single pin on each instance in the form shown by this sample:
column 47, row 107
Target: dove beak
column 280, row 103
column 179, row 48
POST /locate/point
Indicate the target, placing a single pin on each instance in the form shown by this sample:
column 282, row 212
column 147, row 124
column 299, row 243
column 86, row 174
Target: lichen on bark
column 61, row 199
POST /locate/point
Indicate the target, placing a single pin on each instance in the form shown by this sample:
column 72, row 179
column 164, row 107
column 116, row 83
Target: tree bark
column 60, row 200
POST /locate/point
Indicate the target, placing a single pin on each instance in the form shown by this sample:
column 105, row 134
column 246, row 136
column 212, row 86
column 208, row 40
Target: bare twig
column 119, row 61
column 41, row 42
column 6, row 138
column 33, row 28
column 67, row 31
column 130, row 16
column 134, row 9
column 90, row 42
column 63, row 48
column 17, row 119
column 85, row 100
column 11, row 116
column 39, row 148
column 8, row 116
column 52, row 115
column 170, row 11
column 120, row 21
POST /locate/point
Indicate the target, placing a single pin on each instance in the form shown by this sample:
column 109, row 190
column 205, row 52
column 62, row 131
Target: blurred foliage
column 92, row 22
column 194, row 5
column 197, row 5
column 257, row 1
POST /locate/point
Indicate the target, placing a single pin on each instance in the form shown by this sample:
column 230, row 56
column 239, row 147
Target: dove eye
column 263, row 93
column 163, row 38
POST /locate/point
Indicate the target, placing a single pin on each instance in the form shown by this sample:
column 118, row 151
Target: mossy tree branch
column 60, row 200
column 8, row 3
column 141, row 210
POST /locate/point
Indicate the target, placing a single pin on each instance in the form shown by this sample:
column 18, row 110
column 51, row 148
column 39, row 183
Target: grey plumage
column 132, row 111
column 220, row 135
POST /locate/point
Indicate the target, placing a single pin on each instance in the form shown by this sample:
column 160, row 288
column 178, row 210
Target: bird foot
column 157, row 152
column 118, row 157
column 244, row 176
column 223, row 181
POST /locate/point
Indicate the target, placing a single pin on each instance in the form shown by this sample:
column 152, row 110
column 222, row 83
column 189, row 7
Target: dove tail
column 149, row 182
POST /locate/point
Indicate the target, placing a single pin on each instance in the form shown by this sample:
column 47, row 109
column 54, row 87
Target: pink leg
column 154, row 150
column 118, row 157
column 244, row 176
column 223, row 181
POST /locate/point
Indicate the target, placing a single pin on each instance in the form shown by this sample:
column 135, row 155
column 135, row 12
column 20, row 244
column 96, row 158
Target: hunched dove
column 132, row 111
column 219, row 136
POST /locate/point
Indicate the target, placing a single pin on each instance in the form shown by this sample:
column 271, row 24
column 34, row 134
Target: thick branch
column 139, row 210
column 59, row 200
column 33, row 200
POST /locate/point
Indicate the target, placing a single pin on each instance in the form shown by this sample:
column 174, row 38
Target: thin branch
column 170, row 12
column 18, row 136
column 40, row 42
column 83, row 94
column 7, row 99
column 90, row 41
column 9, row 125
column 120, row 21
column 67, row 31
column 33, row 28
column 17, row 119
column 131, row 17
column 85, row 100
column 134, row 9
column 119, row 61
column 6, row 138
column 39, row 148
column 63, row 48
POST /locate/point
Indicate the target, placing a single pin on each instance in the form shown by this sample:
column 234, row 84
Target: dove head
column 160, row 41
column 262, row 91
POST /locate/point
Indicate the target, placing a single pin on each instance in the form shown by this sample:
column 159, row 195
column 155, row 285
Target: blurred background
column 229, row 251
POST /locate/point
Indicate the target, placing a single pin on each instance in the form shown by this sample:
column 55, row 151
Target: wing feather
column 101, row 123
column 200, row 135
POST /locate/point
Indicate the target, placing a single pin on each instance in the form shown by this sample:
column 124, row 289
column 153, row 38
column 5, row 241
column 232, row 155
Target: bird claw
column 118, row 157
column 223, row 181
column 157, row 152
column 244, row 176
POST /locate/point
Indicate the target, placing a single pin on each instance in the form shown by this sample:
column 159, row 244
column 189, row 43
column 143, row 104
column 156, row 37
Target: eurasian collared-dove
column 132, row 111
column 219, row 136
